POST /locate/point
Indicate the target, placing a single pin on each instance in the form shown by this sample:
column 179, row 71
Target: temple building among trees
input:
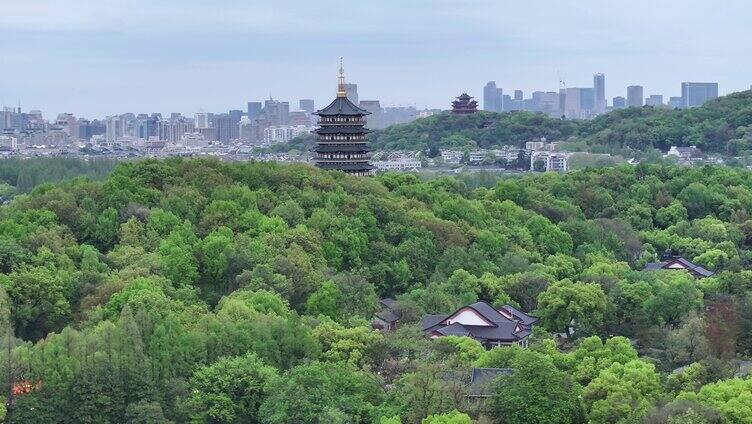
column 464, row 104
column 341, row 143
column 481, row 321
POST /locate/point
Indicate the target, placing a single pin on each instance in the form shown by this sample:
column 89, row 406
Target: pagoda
column 341, row 143
column 464, row 104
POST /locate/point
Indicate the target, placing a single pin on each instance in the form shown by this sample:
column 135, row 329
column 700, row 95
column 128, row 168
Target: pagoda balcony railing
column 342, row 139
column 352, row 158
column 327, row 122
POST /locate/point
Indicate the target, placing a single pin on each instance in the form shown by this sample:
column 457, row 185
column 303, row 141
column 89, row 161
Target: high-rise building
column 579, row 103
column 352, row 93
column 518, row 95
column 376, row 119
column 235, row 117
column 635, row 96
column 254, row 110
column 115, row 128
column 307, row 105
column 675, row 102
column 587, row 102
column 342, row 143
column 655, row 100
column 276, row 113
column 572, row 103
column 224, row 126
column 545, row 102
column 202, row 120
column 492, row 97
column 619, row 102
column 599, row 85
column 11, row 119
column 697, row 93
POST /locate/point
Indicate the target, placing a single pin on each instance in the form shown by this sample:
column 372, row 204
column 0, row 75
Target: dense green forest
column 210, row 292
column 20, row 175
column 723, row 126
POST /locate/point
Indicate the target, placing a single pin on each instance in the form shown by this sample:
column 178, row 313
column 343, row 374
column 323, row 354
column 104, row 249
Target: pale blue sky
column 100, row 57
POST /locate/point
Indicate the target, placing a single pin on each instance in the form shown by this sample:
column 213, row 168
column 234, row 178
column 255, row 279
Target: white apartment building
column 8, row 143
column 281, row 134
column 403, row 164
column 554, row 161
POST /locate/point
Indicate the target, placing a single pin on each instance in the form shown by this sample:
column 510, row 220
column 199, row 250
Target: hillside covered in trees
column 210, row 292
column 723, row 126
column 20, row 175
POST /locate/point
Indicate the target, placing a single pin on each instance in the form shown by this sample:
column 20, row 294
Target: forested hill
column 211, row 292
column 722, row 125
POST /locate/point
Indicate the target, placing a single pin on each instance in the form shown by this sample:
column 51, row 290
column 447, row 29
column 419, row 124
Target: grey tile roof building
column 491, row 327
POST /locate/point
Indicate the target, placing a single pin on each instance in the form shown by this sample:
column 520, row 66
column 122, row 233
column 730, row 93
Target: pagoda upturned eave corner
column 341, row 137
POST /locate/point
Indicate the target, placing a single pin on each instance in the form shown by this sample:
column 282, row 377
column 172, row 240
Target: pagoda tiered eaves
column 342, row 143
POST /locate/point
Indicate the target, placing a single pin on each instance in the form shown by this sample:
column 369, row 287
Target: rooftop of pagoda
column 342, row 106
column 464, row 104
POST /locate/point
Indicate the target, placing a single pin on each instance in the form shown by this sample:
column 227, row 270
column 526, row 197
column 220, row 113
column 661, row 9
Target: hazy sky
column 100, row 57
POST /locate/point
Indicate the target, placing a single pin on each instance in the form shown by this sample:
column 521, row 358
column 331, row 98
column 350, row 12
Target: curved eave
column 342, row 106
column 340, row 148
column 365, row 166
column 341, row 130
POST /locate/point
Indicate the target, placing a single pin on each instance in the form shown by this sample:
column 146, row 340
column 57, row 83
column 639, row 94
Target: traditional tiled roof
column 388, row 303
column 342, row 129
column 341, row 106
column 429, row 321
column 519, row 315
column 358, row 166
column 500, row 328
column 387, row 316
column 685, row 264
column 346, row 148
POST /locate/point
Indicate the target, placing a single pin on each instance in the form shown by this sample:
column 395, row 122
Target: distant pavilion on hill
column 464, row 104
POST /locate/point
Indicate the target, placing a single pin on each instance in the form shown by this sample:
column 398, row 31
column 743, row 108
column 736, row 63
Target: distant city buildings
column 352, row 93
column 619, row 102
column 493, row 98
column 697, row 93
column 635, row 96
column 284, row 134
column 655, row 100
column 599, row 86
column 676, row 102
column 202, row 120
column 306, row 105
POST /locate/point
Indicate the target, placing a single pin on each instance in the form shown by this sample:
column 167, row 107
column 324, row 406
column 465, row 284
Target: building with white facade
column 284, row 133
column 401, row 164
column 553, row 161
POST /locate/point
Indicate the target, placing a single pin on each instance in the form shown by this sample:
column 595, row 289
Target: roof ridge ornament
column 341, row 92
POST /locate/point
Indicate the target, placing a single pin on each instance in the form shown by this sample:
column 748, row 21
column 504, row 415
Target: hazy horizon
column 101, row 58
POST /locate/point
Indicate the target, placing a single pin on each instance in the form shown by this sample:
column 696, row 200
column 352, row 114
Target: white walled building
column 402, row 164
column 281, row 134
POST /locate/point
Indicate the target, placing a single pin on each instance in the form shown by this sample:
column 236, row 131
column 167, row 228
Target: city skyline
column 102, row 58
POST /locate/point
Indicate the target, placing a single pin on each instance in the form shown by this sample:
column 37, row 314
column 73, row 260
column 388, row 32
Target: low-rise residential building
column 400, row 164
column 451, row 157
column 542, row 160
column 685, row 155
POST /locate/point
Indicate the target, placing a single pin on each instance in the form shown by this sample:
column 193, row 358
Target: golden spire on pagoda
column 341, row 80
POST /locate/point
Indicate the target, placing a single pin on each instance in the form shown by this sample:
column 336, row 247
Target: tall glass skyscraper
column 697, row 93
column 599, row 86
